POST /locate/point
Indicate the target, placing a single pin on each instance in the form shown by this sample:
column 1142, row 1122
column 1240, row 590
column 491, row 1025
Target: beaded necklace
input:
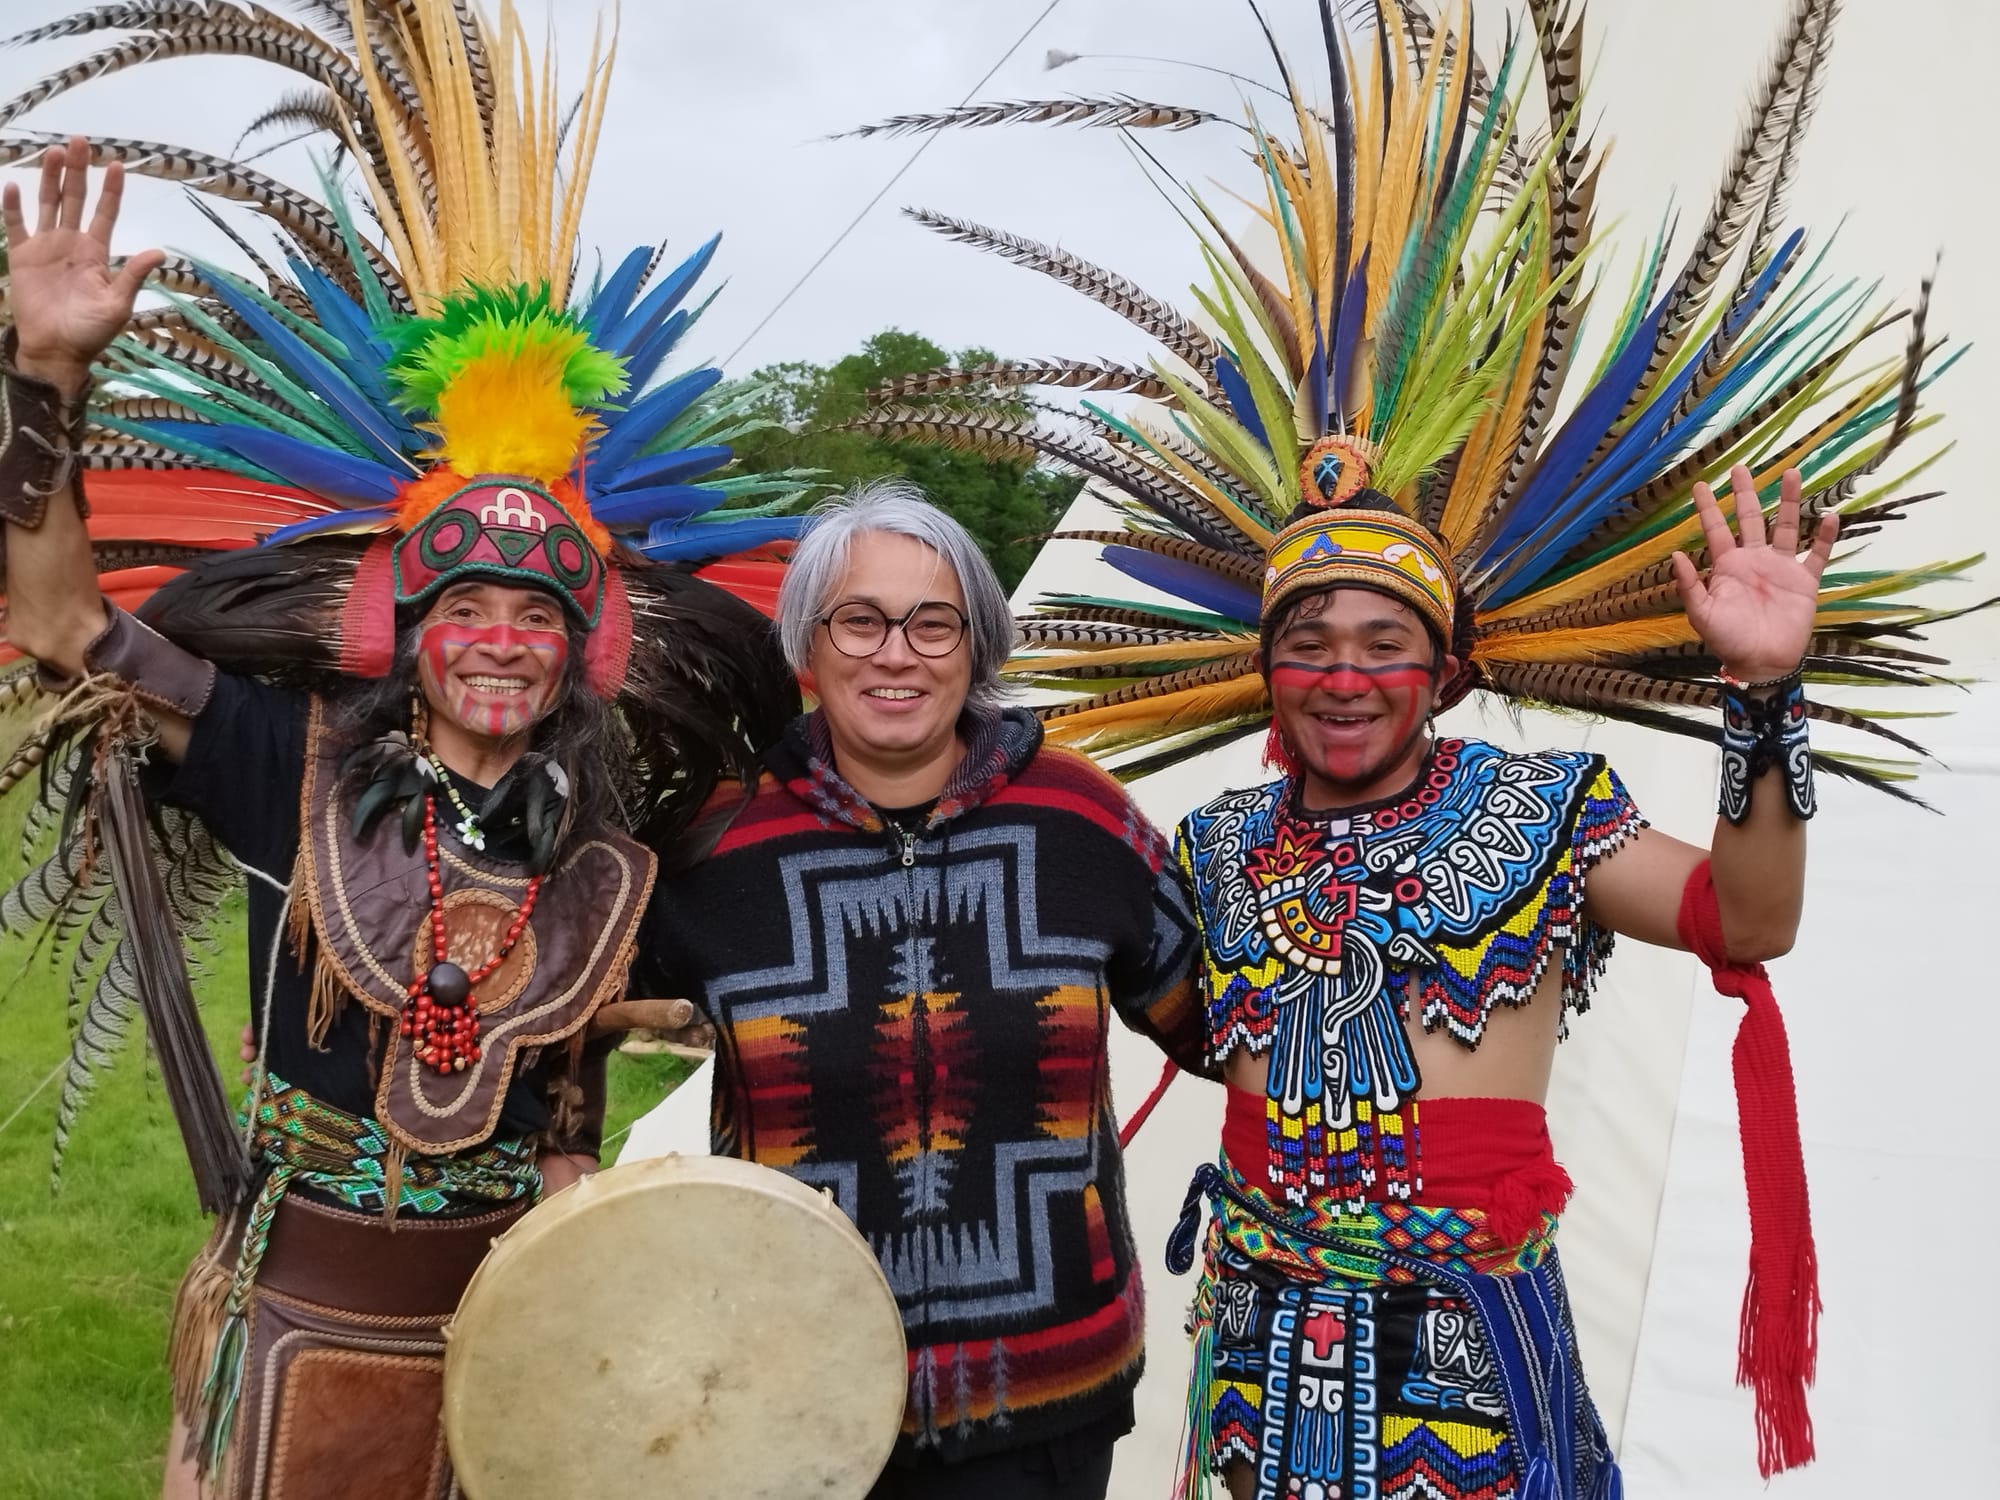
column 442, row 1015
column 467, row 828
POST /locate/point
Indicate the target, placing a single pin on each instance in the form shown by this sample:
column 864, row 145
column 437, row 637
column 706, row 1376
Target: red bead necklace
column 442, row 1015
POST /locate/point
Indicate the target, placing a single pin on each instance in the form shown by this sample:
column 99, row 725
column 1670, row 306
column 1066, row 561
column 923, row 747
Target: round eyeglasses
column 932, row 629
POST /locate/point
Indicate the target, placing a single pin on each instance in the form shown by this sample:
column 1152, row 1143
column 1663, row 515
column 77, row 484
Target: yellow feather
column 415, row 252
column 1191, row 707
column 1593, row 643
column 506, row 412
column 1368, row 148
column 561, row 247
column 508, row 159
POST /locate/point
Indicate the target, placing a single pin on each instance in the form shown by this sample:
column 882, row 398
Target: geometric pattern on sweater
column 847, row 915
column 917, row 1022
column 1322, row 932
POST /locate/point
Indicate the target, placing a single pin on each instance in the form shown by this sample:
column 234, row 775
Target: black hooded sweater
column 917, row 1021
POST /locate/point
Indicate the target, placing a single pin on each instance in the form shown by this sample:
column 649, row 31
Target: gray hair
column 898, row 507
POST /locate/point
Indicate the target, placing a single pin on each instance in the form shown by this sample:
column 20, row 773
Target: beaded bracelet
column 1758, row 733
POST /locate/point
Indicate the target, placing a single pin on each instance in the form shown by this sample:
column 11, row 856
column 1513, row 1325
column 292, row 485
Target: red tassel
column 1278, row 755
column 1521, row 1197
column 1777, row 1345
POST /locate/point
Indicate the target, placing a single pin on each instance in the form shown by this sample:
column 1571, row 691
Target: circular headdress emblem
column 446, row 538
column 570, row 557
column 1335, row 469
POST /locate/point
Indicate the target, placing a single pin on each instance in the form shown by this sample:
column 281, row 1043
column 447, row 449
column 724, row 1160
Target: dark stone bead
column 448, row 984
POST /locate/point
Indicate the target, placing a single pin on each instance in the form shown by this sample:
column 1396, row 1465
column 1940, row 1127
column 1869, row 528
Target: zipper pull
column 909, row 847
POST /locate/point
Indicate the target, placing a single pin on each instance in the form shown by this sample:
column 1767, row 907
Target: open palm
column 68, row 303
column 1755, row 610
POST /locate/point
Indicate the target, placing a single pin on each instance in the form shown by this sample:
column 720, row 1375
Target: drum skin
column 684, row 1326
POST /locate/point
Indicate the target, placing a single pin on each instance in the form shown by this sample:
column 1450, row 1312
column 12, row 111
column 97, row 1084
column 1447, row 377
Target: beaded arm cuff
column 40, row 435
column 1758, row 733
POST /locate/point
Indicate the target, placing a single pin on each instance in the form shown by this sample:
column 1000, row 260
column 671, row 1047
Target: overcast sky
column 720, row 110
column 720, row 113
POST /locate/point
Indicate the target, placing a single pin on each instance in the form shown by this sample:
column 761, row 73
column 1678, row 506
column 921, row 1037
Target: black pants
column 1046, row 1471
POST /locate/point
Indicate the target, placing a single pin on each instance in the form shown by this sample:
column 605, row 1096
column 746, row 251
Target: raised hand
column 68, row 303
column 1755, row 610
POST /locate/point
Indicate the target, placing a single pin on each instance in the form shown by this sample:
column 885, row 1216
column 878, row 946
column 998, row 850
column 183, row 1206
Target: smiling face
column 490, row 660
column 895, row 709
column 1354, row 675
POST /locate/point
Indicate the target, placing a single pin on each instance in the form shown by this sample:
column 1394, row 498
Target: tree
column 1007, row 505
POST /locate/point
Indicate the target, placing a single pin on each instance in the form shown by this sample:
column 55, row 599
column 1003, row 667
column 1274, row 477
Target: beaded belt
column 303, row 1141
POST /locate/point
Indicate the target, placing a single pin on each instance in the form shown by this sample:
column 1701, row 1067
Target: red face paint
column 1355, row 730
column 491, row 680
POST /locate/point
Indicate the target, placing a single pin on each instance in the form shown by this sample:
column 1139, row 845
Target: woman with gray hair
column 911, row 937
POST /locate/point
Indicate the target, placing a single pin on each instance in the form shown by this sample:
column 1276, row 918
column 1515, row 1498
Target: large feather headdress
column 1433, row 261
column 420, row 382
column 430, row 311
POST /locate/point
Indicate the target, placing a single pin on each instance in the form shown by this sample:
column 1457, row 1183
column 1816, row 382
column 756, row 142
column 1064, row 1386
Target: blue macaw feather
column 374, row 295
column 1352, row 304
column 610, row 302
column 645, row 361
column 1237, row 391
column 666, row 468
column 1761, row 289
column 1578, row 438
column 699, row 541
column 189, row 447
column 317, row 374
column 368, row 354
column 659, row 502
column 327, row 472
column 627, row 433
column 1315, row 387
column 1643, row 452
column 1186, row 581
column 369, row 518
column 638, row 326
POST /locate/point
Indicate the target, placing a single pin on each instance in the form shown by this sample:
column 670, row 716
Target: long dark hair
column 579, row 731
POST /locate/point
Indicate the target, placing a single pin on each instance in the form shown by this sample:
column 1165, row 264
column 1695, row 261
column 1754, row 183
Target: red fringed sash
column 1777, row 1346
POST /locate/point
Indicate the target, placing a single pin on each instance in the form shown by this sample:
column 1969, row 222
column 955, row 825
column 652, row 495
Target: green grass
column 87, row 1277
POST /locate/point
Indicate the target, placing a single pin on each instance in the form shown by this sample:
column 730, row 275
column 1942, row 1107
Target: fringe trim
column 199, row 1304
column 305, row 897
column 323, row 1003
column 392, row 1181
column 1191, row 1474
column 328, row 994
column 566, row 1095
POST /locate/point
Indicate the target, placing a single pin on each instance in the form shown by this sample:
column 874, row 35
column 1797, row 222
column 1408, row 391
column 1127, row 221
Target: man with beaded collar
column 436, row 808
column 1395, row 932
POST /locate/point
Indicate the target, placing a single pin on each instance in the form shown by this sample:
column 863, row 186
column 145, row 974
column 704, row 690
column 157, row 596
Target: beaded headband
column 1383, row 550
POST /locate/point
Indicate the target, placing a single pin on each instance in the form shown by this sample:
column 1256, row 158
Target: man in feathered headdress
column 1395, row 932
column 422, row 722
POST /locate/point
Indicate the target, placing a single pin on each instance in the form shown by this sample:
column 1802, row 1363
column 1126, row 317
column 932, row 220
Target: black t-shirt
column 242, row 773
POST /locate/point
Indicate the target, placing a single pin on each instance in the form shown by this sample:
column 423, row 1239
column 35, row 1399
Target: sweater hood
column 997, row 745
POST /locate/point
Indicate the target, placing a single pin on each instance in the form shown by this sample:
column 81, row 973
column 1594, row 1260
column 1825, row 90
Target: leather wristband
column 41, row 438
column 162, row 674
column 1759, row 733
